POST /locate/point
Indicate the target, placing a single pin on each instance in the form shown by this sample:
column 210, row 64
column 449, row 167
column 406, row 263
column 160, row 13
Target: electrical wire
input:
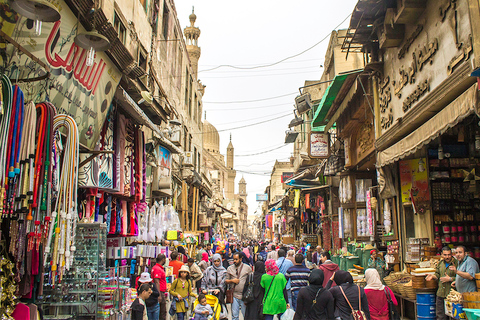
column 253, row 64
column 261, row 164
column 263, row 152
column 244, row 126
column 259, row 107
column 280, row 61
column 263, row 71
column 260, row 75
column 251, row 119
column 256, row 100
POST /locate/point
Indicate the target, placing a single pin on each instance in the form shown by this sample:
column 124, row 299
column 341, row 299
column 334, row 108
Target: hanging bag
column 248, row 295
column 229, row 293
column 357, row 314
column 392, row 310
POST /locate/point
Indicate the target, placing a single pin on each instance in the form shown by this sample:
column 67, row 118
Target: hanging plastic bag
column 288, row 315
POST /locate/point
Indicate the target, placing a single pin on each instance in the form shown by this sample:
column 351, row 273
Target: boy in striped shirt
column 298, row 276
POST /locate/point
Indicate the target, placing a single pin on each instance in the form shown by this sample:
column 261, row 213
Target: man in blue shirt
column 283, row 265
column 298, row 278
column 465, row 273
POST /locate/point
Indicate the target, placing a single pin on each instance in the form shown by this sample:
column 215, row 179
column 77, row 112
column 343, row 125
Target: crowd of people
column 262, row 281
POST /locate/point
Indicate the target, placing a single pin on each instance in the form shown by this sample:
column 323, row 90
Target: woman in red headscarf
column 204, row 264
column 275, row 298
column 377, row 263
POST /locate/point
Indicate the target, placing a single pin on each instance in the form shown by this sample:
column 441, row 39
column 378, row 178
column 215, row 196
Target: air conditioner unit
column 176, row 137
column 188, row 159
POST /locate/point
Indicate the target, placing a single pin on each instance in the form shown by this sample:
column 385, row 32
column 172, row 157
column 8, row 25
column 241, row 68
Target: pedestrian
column 283, row 265
column 378, row 295
column 445, row 277
column 291, row 255
column 213, row 282
column 275, row 298
column 309, row 254
column 227, row 260
column 152, row 302
column 200, row 251
column 316, row 256
column 181, row 290
column 236, row 277
column 328, row 267
column 204, row 264
column 262, row 254
column 465, row 273
column 203, row 310
column 254, row 308
column 298, row 276
column 247, row 258
column 314, row 301
column 209, row 250
column 376, row 262
column 196, row 273
column 183, row 254
column 175, row 262
column 348, row 297
column 160, row 283
column 138, row 309
column 272, row 254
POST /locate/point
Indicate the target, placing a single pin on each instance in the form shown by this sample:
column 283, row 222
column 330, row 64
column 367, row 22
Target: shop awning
column 448, row 117
column 317, row 188
column 307, row 174
column 319, row 119
column 137, row 113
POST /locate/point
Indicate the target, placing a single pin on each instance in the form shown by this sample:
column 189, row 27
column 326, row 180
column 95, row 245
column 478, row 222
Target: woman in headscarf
column 376, row 262
column 314, row 302
column 377, row 295
column 275, row 298
column 181, row 250
column 346, row 288
column 213, row 282
column 247, row 258
column 254, row 308
column 291, row 255
column 204, row 264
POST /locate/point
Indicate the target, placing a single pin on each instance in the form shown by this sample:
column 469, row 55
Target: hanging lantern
column 93, row 42
column 37, row 10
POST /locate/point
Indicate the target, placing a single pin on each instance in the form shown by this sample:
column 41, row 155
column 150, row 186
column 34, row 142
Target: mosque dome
column 211, row 138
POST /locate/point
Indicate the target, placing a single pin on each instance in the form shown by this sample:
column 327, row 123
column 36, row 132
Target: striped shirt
column 298, row 276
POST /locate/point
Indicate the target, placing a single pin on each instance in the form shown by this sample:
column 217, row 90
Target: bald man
column 316, row 256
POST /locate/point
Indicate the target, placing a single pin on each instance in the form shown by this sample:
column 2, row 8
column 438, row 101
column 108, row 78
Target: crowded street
column 239, row 160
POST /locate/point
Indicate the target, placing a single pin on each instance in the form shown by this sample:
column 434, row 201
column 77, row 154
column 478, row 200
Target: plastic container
column 426, row 306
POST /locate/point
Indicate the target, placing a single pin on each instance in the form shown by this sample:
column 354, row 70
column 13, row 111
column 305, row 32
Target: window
column 185, row 137
column 187, row 93
column 120, row 28
column 195, row 158
column 165, row 21
column 142, row 58
column 190, row 85
column 189, row 142
column 195, row 111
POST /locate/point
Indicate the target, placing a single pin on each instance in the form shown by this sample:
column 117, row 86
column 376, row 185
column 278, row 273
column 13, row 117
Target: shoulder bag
column 266, row 293
column 229, row 292
column 248, row 295
column 356, row 314
column 392, row 310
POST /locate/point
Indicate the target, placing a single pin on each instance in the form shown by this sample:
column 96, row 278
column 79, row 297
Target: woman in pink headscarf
column 247, row 258
column 275, row 298
column 204, row 264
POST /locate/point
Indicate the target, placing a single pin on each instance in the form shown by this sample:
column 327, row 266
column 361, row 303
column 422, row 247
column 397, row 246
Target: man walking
column 237, row 276
column 196, row 274
column 160, row 283
column 465, row 273
column 297, row 276
column 200, row 251
column 175, row 262
column 328, row 267
column 316, row 256
column 272, row 254
column 283, row 265
column 445, row 276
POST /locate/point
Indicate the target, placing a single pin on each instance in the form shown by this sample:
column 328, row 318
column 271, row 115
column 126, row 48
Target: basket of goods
column 418, row 282
column 401, row 284
column 409, row 290
column 471, row 300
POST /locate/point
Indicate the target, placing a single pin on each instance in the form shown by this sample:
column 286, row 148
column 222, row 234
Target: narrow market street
column 248, row 160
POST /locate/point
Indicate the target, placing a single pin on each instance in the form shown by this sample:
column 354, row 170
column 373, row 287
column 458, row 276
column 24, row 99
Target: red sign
column 286, row 176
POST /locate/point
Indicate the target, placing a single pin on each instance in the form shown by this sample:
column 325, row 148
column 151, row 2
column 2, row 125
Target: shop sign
column 369, row 213
column 340, row 222
column 262, row 197
column 346, row 147
column 164, row 162
column 286, row 176
column 415, row 68
column 414, row 181
column 319, row 145
column 81, row 91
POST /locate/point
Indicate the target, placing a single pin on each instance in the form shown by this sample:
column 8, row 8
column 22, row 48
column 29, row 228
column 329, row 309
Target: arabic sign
column 319, row 147
column 262, row 197
column 84, row 92
column 286, row 176
column 414, row 182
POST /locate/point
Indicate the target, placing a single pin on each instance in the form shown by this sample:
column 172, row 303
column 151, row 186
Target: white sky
column 251, row 33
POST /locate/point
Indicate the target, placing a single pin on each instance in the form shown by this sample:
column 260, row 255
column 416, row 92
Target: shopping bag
column 288, row 315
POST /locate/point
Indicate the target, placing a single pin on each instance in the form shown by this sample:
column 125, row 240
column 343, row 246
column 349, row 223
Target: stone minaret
column 231, row 172
column 191, row 34
column 242, row 189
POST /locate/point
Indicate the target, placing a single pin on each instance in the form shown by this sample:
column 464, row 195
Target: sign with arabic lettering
column 84, row 92
column 319, row 146
column 430, row 53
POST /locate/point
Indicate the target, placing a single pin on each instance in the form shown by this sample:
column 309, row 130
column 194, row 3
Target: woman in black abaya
column 254, row 309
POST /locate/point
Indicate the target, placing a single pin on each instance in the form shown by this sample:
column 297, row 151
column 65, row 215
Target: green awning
column 321, row 110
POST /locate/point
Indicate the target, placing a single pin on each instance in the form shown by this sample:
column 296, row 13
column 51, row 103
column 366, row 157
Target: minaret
column 191, row 34
column 242, row 189
column 231, row 173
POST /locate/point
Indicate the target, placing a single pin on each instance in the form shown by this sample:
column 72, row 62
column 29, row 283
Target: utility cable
column 280, row 61
column 256, row 100
column 259, row 75
column 263, row 152
column 259, row 107
column 251, row 119
column 244, row 126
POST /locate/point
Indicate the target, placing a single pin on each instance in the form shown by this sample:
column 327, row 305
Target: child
column 181, row 289
column 139, row 311
column 202, row 311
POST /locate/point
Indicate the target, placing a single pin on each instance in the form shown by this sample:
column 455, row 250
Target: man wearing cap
column 152, row 302
column 160, row 284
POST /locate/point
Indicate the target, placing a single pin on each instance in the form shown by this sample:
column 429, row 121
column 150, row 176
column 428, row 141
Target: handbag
column 229, row 292
column 248, row 291
column 392, row 310
column 266, row 294
column 357, row 314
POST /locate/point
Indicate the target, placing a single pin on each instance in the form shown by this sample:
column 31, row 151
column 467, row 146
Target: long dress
column 254, row 308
